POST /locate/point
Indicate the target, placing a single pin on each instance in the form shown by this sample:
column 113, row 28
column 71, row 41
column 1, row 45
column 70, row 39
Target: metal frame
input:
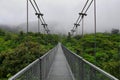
column 84, row 70
column 38, row 69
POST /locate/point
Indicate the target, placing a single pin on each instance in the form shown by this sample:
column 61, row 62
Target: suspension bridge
column 60, row 63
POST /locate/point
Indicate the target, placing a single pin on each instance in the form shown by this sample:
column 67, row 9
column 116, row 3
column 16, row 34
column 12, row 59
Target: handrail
column 37, row 70
column 81, row 62
column 24, row 70
column 81, row 68
column 95, row 67
column 46, row 54
column 46, row 62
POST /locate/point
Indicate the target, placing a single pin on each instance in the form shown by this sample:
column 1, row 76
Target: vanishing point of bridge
column 61, row 64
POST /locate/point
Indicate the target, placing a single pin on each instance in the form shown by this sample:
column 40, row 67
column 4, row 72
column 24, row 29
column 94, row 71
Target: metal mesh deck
column 60, row 69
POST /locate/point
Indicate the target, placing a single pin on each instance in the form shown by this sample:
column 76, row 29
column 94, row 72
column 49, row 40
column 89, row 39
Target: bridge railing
column 46, row 62
column 37, row 70
column 84, row 70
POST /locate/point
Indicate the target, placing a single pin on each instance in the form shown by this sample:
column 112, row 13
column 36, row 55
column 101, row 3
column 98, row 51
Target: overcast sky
column 62, row 14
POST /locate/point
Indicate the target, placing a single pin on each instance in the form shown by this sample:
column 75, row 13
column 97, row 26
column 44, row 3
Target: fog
column 60, row 15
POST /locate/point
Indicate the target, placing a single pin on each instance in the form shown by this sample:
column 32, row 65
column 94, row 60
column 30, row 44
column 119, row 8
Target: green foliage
column 113, row 67
column 2, row 33
column 90, row 58
column 19, row 50
column 107, row 54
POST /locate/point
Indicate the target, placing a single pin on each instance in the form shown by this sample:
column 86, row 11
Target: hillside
column 19, row 50
column 107, row 54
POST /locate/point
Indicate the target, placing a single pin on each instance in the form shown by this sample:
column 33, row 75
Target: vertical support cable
column 27, row 15
column 82, row 34
column 95, row 26
column 82, row 19
column 82, row 26
column 38, row 26
column 76, row 30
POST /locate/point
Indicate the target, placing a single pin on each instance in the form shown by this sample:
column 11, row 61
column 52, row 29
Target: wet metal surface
column 60, row 69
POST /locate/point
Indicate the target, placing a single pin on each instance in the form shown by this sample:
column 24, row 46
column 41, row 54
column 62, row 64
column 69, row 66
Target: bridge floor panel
column 60, row 69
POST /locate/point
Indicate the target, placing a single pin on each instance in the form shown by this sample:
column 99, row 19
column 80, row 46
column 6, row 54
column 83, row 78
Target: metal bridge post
column 82, row 70
column 38, row 26
column 91, row 74
column 38, row 15
column 40, row 69
column 27, row 15
column 83, row 14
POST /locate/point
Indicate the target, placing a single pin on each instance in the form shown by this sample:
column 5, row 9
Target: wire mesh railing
column 84, row 70
column 46, row 62
column 37, row 70
column 81, row 69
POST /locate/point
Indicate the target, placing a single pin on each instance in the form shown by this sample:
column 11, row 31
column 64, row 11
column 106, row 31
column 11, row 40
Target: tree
column 2, row 33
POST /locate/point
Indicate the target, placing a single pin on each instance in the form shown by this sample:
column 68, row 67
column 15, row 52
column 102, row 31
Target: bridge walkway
column 60, row 69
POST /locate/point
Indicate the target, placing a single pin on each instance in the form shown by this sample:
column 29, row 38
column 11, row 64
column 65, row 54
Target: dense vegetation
column 107, row 50
column 18, row 50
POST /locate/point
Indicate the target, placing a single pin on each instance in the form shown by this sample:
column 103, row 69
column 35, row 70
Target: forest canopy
column 17, row 50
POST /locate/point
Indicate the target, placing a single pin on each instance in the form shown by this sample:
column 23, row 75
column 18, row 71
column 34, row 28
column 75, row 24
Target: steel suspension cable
column 37, row 6
column 43, row 21
column 33, row 6
column 88, row 6
column 80, row 21
column 95, row 25
column 35, row 10
column 82, row 10
column 85, row 6
column 86, row 11
column 39, row 15
column 79, row 18
column 39, row 11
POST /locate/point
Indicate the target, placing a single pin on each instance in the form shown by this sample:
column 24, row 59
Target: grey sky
column 63, row 13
